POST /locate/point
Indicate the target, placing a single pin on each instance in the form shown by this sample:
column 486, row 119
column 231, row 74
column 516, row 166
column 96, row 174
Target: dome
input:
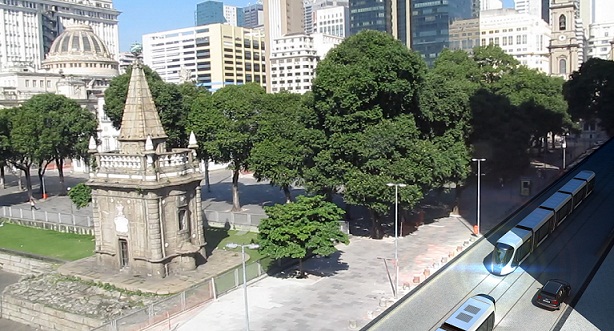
column 79, row 40
column 79, row 51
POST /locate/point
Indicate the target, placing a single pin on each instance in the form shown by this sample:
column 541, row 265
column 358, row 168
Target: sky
column 139, row 17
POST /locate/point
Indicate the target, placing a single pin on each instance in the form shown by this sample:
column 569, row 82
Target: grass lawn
column 219, row 237
column 65, row 246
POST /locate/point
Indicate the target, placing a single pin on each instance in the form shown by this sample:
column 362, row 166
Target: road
column 570, row 253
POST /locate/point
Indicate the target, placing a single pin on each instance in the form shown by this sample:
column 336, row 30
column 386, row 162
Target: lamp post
column 564, row 146
column 396, row 234
column 250, row 246
column 479, row 161
column 71, row 210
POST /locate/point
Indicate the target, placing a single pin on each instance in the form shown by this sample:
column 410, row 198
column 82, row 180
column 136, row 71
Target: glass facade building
column 434, row 24
column 370, row 15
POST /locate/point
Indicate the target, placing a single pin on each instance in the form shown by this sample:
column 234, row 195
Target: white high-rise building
column 332, row 21
column 524, row 36
column 600, row 42
column 294, row 59
column 540, row 8
column 312, row 6
column 491, row 4
column 603, row 11
column 28, row 28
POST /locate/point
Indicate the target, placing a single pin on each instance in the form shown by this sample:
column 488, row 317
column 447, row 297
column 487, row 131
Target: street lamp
column 564, row 145
column 479, row 161
column 396, row 234
column 250, row 246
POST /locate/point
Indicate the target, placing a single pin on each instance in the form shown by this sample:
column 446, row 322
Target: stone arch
column 562, row 22
column 563, row 66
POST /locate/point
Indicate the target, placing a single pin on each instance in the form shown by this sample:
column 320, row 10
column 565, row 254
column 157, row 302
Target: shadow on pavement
column 316, row 266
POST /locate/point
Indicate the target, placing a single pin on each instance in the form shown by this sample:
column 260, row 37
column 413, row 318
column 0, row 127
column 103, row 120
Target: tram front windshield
column 502, row 254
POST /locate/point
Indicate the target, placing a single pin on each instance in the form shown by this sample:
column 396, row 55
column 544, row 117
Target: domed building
column 79, row 53
column 78, row 66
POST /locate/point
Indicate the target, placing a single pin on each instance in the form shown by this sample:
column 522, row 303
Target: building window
column 562, row 23
column 123, row 253
column 182, row 219
column 562, row 66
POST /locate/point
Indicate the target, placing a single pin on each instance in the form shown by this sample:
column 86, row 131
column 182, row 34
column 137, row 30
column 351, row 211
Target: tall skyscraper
column 392, row 17
column 281, row 17
column 212, row 12
column 30, row 27
column 539, row 8
column 491, row 4
column 253, row 15
column 431, row 23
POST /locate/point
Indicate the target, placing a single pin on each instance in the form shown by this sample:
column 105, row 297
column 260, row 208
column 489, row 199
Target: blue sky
column 141, row 17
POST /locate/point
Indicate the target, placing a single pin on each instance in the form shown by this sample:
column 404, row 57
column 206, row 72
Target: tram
column 519, row 242
column 477, row 313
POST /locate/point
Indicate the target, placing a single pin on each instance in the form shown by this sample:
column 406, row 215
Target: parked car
column 553, row 293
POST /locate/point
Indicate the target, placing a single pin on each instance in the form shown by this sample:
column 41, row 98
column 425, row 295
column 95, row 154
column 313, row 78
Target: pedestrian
column 32, row 204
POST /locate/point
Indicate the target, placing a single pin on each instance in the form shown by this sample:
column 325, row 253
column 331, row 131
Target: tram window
column 503, row 253
column 523, row 251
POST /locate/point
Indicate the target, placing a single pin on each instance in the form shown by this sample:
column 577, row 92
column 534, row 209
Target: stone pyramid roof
column 141, row 117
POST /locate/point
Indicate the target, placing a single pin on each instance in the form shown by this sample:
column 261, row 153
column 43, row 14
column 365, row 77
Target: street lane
column 570, row 253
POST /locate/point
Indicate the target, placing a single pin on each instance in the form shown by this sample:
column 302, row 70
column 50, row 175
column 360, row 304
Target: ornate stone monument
column 146, row 200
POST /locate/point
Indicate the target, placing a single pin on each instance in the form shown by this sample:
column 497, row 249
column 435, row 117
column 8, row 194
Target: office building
column 431, row 22
column 491, row 4
column 332, row 21
column 371, row 15
column 253, row 16
column 281, row 17
column 28, row 28
column 540, row 8
column 211, row 12
column 212, row 55
column 600, row 43
column 526, row 37
column 312, row 6
column 294, row 58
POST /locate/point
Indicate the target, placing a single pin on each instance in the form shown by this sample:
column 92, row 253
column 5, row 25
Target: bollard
column 352, row 324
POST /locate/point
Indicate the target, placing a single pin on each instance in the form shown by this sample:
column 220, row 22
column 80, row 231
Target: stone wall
column 44, row 318
column 26, row 264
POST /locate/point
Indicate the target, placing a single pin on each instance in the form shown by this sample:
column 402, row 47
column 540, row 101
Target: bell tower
column 566, row 46
column 146, row 199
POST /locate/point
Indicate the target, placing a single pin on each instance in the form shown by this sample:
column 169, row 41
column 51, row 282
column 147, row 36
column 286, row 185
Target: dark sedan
column 553, row 293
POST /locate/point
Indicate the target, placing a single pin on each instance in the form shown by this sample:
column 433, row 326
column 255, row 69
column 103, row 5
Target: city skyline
column 139, row 17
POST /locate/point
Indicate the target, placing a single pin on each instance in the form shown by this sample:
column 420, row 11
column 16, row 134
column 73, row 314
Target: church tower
column 566, row 46
column 146, row 200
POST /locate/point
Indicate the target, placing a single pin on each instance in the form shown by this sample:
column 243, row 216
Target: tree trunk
column 41, row 173
column 19, row 183
column 28, row 182
column 377, row 232
column 236, row 205
column 348, row 215
column 207, row 181
column 287, row 194
column 2, row 179
column 301, row 273
column 60, row 165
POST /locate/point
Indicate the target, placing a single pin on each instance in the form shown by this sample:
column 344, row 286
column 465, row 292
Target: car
column 553, row 293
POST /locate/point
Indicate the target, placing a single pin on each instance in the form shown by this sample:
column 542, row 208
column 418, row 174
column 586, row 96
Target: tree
column 204, row 122
column 166, row 96
column 296, row 229
column 66, row 128
column 371, row 127
column 80, row 195
column 279, row 150
column 229, row 119
column 590, row 93
column 25, row 126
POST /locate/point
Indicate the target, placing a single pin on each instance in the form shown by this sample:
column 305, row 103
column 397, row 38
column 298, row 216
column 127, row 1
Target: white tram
column 516, row 245
column 475, row 314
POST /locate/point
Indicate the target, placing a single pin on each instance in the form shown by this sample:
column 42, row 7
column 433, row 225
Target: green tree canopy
column 225, row 124
column 590, row 93
column 279, row 150
column 167, row 97
column 371, row 126
column 296, row 229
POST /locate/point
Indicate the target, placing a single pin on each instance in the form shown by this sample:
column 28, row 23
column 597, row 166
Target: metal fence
column 163, row 311
column 48, row 220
